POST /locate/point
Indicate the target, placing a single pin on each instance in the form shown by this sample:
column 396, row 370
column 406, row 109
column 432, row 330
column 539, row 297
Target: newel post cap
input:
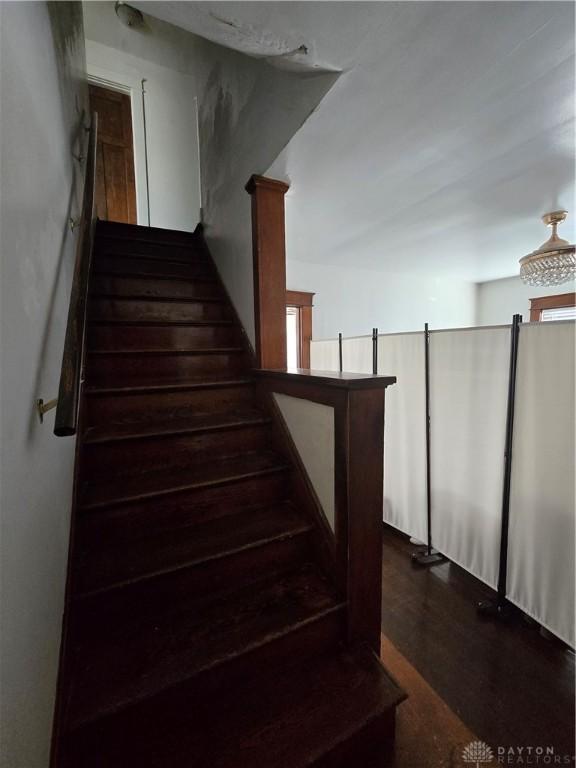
column 263, row 182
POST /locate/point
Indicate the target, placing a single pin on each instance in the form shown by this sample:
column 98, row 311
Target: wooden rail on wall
column 358, row 402
column 66, row 420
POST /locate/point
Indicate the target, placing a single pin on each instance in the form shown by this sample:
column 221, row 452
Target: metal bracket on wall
column 43, row 407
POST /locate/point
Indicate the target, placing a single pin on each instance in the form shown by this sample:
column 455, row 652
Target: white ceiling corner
column 450, row 131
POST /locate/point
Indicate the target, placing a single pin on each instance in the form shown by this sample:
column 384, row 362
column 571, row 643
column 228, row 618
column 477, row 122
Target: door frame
column 100, row 77
column 124, row 97
column 303, row 301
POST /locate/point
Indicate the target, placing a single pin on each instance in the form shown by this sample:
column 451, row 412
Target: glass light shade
column 554, row 262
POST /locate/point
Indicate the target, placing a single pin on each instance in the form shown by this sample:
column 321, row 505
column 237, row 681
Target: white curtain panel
column 357, row 354
column 541, row 543
column 324, row 355
column 404, row 433
column 468, row 399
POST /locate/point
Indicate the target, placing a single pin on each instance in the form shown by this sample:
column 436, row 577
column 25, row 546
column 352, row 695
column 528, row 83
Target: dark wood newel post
column 363, row 446
column 269, row 254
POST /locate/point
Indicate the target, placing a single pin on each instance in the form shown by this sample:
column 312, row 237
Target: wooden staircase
column 201, row 628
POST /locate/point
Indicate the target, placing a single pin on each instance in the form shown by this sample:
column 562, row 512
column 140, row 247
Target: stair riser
column 117, row 370
column 101, row 409
column 134, row 265
column 87, row 580
column 370, row 747
column 105, row 460
column 105, row 337
column 95, row 613
column 153, row 496
column 120, row 246
column 185, row 509
column 119, row 231
column 134, row 309
column 141, row 286
column 114, row 739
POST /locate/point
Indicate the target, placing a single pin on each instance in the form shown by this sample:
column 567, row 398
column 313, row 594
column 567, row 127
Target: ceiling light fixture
column 554, row 262
column 130, row 17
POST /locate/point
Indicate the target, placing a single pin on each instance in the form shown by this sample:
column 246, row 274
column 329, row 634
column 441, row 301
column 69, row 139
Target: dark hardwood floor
column 507, row 683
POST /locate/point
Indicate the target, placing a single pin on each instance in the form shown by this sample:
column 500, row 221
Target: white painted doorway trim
column 125, row 84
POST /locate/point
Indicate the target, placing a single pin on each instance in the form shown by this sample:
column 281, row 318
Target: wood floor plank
column 509, row 684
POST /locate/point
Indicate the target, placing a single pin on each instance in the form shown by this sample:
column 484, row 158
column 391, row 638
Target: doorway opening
column 115, row 182
column 298, row 328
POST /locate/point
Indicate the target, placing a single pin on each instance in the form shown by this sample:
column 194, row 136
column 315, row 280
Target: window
column 298, row 328
column 561, row 313
column 293, row 337
column 562, row 306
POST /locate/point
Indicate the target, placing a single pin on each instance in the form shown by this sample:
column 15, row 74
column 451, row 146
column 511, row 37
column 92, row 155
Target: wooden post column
column 363, row 456
column 269, row 252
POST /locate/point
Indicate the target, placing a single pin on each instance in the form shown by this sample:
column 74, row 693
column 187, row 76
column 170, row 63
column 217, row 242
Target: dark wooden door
column 115, row 188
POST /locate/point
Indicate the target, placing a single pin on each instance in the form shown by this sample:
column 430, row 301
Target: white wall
column 498, row 300
column 125, row 56
column 311, row 426
column 247, row 113
column 353, row 301
column 41, row 60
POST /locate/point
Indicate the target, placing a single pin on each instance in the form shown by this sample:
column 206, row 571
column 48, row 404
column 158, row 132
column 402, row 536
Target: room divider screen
column 468, row 397
column 469, row 375
column 542, row 500
column 404, row 433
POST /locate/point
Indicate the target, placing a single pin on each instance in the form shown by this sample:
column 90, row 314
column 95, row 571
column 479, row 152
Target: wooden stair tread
column 165, row 352
column 138, row 659
column 289, row 720
column 132, row 557
column 288, row 717
column 171, row 385
column 192, row 259
column 121, row 231
column 170, row 381
column 151, row 276
column 159, row 298
column 127, row 488
column 145, row 268
column 175, row 424
column 160, row 323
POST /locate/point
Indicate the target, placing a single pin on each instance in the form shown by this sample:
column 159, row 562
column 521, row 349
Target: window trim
column 303, row 301
column 557, row 301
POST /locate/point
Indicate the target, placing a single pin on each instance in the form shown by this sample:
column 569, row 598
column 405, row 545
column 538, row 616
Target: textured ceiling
column 448, row 134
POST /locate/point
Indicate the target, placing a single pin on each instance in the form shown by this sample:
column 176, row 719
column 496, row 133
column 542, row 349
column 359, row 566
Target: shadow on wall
column 67, row 26
column 217, row 125
column 68, row 39
column 59, row 293
column 248, row 113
